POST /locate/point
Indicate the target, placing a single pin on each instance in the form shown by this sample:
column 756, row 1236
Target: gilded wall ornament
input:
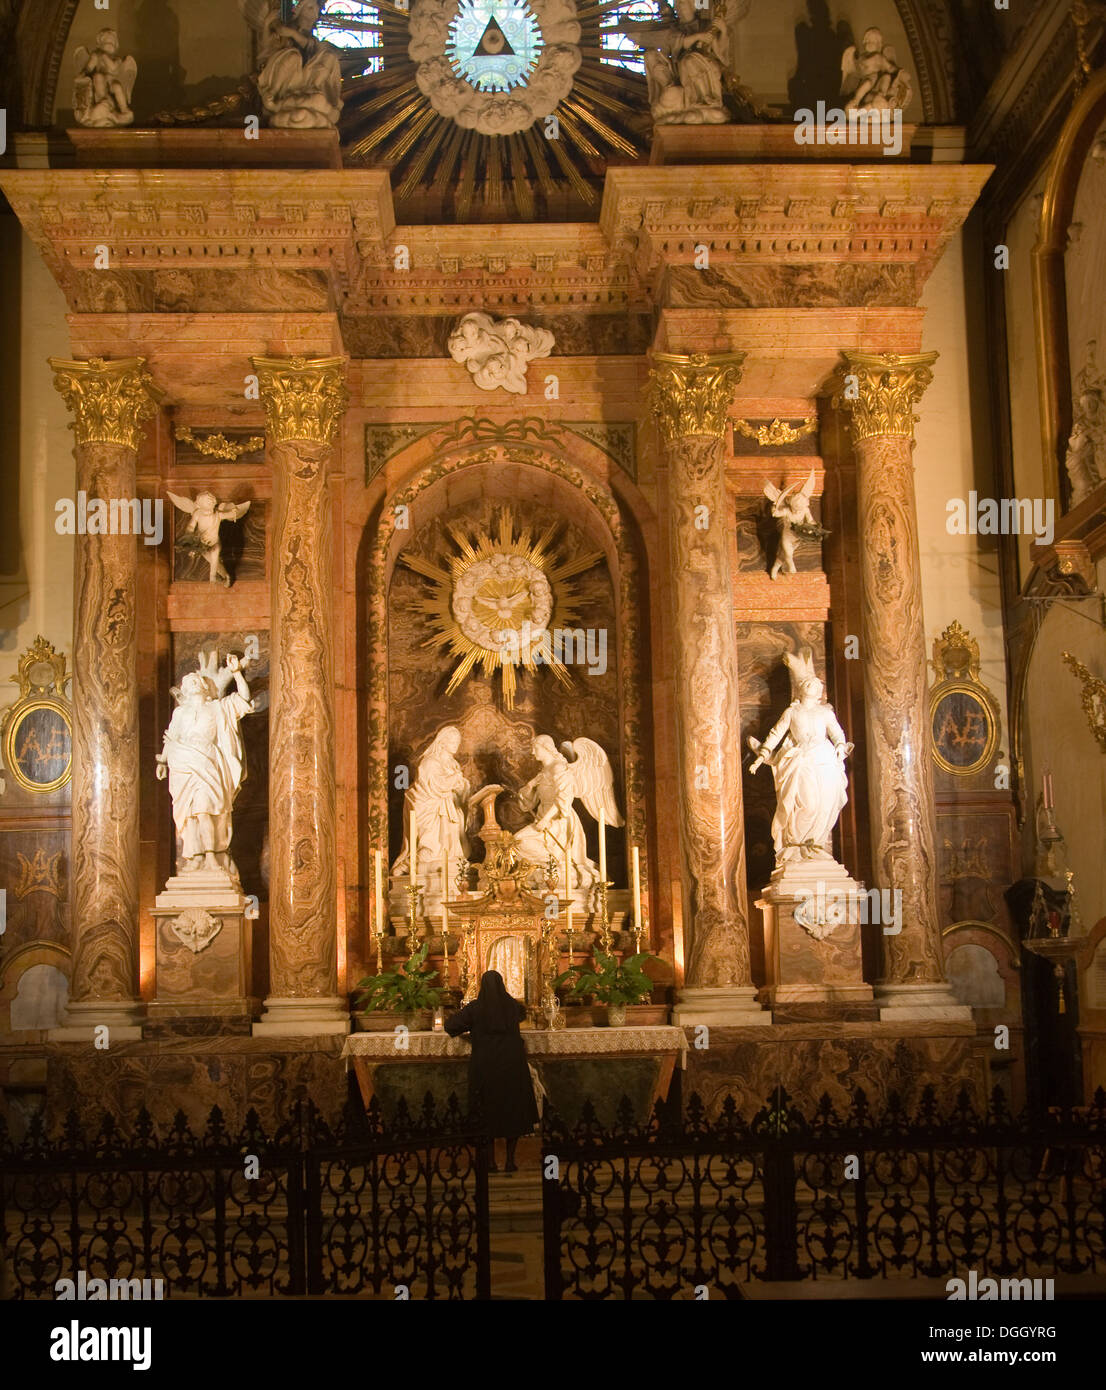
column 963, row 714
column 109, row 401
column 691, row 395
column 1094, row 698
column 40, row 874
column 777, row 433
column 502, row 601
column 304, row 398
column 881, row 390
column 218, row 445
column 36, row 733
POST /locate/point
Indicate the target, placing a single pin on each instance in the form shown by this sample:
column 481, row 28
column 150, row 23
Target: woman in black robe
column 499, row 1077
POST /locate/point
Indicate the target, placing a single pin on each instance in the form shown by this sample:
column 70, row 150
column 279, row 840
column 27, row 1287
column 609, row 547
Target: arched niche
column 430, row 482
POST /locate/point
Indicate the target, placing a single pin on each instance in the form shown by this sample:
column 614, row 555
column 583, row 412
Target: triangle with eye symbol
column 493, row 42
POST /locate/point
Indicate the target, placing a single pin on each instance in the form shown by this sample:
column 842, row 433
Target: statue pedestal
column 812, row 914
column 203, row 954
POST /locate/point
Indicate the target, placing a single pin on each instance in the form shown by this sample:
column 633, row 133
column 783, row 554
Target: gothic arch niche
column 535, row 483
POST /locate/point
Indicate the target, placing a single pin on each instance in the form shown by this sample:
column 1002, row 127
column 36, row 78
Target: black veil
column 497, row 1009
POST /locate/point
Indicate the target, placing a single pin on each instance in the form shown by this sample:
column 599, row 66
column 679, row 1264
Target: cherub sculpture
column 201, row 534
column 871, row 76
column 104, row 82
column 300, row 80
column 791, row 509
column 579, row 771
column 496, row 354
column 203, row 757
column 806, row 751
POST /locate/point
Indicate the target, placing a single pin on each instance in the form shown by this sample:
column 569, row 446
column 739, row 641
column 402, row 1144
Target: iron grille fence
column 685, row 1201
column 362, row 1207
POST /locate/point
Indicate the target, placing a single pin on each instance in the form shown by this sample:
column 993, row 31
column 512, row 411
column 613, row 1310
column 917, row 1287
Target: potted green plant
column 610, row 982
column 404, row 994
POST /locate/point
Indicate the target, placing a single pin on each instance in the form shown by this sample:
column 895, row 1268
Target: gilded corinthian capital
column 886, row 389
column 692, row 395
column 109, row 400
column 304, row 398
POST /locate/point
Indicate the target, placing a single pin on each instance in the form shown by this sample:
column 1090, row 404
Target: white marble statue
column 871, row 78
column 806, row 751
column 791, row 510
column 685, row 57
column 203, row 757
column 579, row 771
column 1085, row 460
column 439, row 799
column 206, row 515
column 496, row 354
column 104, row 83
column 300, row 81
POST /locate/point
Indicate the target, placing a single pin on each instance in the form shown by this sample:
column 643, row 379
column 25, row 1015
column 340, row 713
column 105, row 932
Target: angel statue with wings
column 204, row 759
column 806, row 750
column 300, row 80
column 104, row 82
column 206, row 515
column 871, row 78
column 791, row 509
column 579, row 771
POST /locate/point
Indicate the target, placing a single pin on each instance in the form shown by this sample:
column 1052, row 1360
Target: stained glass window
column 494, row 44
column 618, row 49
column 351, row 24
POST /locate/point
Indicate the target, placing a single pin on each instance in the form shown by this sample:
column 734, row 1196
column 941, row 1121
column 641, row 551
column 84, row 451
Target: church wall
column 1025, row 413
column 188, row 52
column 765, row 48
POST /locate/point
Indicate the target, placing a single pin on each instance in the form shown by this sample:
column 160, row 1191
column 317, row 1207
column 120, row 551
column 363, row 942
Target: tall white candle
column 413, row 843
column 378, row 872
column 635, row 864
column 445, row 892
column 602, row 846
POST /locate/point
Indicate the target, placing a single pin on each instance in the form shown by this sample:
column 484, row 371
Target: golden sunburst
column 503, row 600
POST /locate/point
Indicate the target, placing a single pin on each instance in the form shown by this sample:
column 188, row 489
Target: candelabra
column 605, row 918
column 412, row 892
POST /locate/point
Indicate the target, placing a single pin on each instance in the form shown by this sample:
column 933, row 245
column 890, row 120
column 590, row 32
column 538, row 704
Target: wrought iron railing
column 688, row 1205
column 396, row 1210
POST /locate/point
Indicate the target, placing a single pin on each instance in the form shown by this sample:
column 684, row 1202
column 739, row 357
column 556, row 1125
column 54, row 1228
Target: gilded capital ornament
column 304, row 397
column 692, row 395
column 110, row 401
column 881, row 390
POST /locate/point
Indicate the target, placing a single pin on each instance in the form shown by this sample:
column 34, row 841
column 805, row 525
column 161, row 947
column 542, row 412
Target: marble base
column 199, row 977
column 812, row 943
column 720, row 1007
column 123, row 1021
column 922, row 1003
column 303, row 1018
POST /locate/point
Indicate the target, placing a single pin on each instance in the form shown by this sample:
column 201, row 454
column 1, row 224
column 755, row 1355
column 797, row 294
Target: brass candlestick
column 605, row 919
column 412, row 890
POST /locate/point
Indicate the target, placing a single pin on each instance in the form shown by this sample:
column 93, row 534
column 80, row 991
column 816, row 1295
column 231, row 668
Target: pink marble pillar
column 690, row 399
column 110, row 402
column 880, row 393
column 304, row 402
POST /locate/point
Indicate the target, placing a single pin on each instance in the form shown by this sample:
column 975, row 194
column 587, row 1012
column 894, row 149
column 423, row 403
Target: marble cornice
column 799, row 236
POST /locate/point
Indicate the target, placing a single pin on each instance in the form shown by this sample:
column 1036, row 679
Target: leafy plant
column 608, row 981
column 406, row 988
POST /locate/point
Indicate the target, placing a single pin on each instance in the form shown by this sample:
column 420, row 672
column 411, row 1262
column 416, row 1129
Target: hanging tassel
column 1063, row 1005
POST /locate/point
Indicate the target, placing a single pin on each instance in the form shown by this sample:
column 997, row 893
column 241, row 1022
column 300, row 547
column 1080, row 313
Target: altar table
column 663, row 1044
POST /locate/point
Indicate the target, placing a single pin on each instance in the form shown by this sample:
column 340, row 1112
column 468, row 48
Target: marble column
column 880, row 393
column 690, row 398
column 110, row 403
column 304, row 403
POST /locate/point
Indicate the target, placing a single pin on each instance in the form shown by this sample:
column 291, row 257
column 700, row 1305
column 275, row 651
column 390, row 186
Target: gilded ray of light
column 476, row 546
